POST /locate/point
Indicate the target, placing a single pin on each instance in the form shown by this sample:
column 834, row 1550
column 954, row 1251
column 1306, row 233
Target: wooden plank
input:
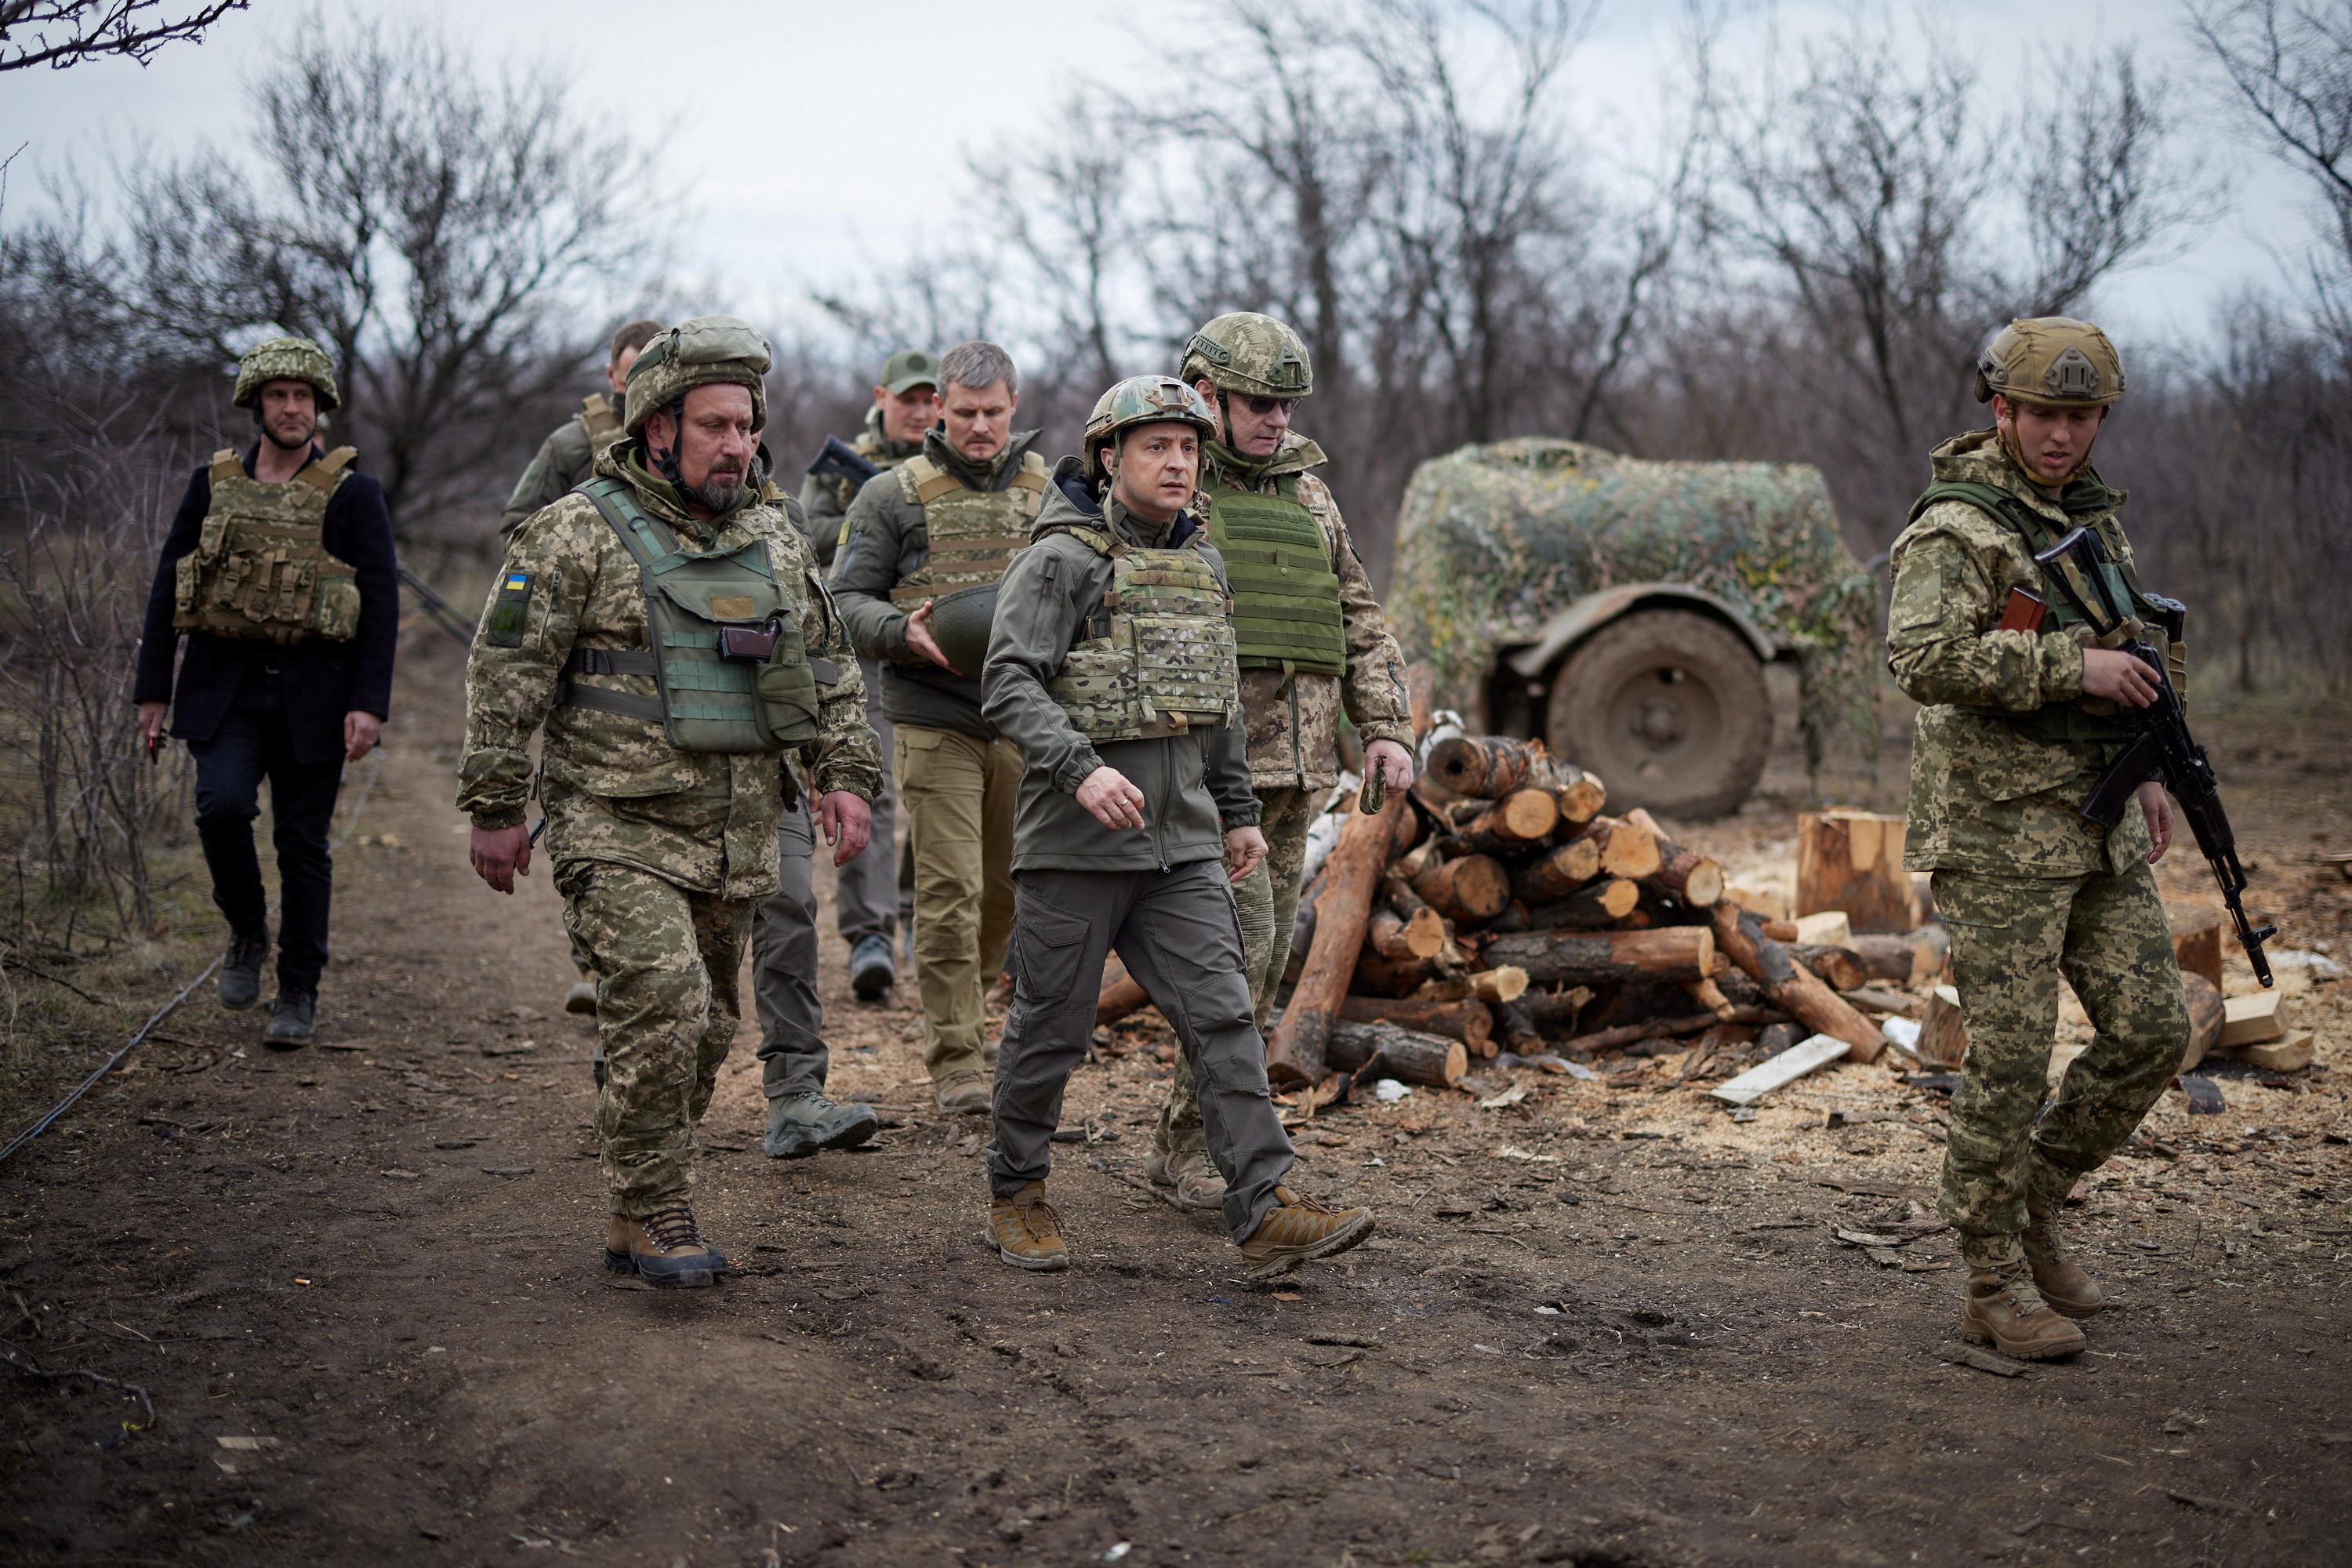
column 2252, row 1020
column 1804, row 1057
column 2197, row 945
column 1826, row 928
column 2291, row 1054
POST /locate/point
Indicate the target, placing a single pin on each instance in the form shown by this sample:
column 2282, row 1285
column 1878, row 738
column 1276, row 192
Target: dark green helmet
column 1143, row 400
column 707, row 351
column 1246, row 353
column 959, row 624
column 285, row 359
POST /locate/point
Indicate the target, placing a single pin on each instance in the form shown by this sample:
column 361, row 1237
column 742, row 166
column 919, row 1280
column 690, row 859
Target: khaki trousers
column 958, row 791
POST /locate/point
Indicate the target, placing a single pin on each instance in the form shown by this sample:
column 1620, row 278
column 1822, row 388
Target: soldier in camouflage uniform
column 1111, row 665
column 2017, row 726
column 869, row 902
column 668, row 712
column 1311, row 647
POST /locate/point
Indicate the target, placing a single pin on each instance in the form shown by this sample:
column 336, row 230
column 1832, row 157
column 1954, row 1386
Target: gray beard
column 720, row 494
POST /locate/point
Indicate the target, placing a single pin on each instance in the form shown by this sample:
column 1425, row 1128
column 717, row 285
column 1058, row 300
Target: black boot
column 240, row 975
column 292, row 1021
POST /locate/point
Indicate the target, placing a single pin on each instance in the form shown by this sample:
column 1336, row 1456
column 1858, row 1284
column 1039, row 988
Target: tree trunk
column 1909, row 958
column 1694, row 880
column 1628, row 849
column 1844, row 970
column 1943, row 1037
column 1468, row 892
column 2205, row 1016
column 1560, row 872
column 1596, row 958
column 1853, row 861
column 1295, row 1054
column 1402, row 941
column 1590, row 907
column 1793, row 987
column 1469, row 1021
column 1406, row 1055
column 1122, row 993
column 1513, row 825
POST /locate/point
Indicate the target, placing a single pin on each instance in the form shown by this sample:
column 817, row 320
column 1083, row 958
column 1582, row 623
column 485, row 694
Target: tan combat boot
column 2066, row 1287
column 2005, row 1310
column 1027, row 1232
column 664, row 1248
column 1192, row 1173
column 962, row 1094
column 1298, row 1230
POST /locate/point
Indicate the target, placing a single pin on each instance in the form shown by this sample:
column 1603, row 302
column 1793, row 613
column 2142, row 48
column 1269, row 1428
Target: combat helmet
column 1143, row 400
column 285, row 359
column 2054, row 362
column 1249, row 353
column 707, row 351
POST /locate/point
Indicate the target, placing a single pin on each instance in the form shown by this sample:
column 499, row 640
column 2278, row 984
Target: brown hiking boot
column 1298, row 1229
column 1192, row 1173
column 962, row 1094
column 1027, row 1232
column 2005, row 1310
column 664, row 1248
column 2064, row 1285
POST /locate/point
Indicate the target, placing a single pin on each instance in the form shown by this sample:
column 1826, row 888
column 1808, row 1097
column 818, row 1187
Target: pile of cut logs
column 1498, row 907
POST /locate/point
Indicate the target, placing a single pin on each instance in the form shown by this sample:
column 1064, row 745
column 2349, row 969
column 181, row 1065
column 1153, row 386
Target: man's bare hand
column 151, row 721
column 2118, row 677
column 920, row 639
column 1394, row 760
column 361, row 733
column 848, row 823
column 1244, row 853
column 500, row 854
column 2158, row 812
column 1110, row 799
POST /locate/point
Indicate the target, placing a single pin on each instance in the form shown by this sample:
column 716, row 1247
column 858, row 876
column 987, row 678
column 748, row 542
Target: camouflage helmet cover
column 707, row 351
column 1246, row 353
column 285, row 359
column 2054, row 362
column 1143, row 400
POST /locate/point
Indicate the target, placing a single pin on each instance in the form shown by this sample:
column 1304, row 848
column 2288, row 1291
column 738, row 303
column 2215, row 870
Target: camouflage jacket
column 1294, row 721
column 615, row 789
column 825, row 497
column 1985, row 795
column 563, row 462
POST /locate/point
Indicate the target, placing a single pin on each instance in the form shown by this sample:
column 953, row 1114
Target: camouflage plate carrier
column 1158, row 659
column 600, row 422
column 260, row 568
column 973, row 533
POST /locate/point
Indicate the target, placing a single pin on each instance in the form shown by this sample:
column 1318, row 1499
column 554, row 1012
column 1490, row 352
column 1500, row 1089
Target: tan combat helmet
column 707, row 351
column 2053, row 361
column 285, row 359
column 1143, row 400
column 1249, row 353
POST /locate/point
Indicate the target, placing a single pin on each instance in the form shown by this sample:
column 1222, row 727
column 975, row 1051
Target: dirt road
column 1602, row 1326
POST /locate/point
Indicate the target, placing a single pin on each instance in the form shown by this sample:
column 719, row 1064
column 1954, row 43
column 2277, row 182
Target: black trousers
column 254, row 743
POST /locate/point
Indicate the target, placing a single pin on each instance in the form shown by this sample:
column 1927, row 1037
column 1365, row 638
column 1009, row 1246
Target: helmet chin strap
column 2017, row 455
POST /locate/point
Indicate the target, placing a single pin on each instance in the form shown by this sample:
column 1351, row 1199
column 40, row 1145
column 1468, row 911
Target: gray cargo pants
column 874, row 890
column 1177, row 931
column 793, row 1056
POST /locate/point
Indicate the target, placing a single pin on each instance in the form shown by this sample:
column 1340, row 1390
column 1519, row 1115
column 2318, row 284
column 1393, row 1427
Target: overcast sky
column 844, row 127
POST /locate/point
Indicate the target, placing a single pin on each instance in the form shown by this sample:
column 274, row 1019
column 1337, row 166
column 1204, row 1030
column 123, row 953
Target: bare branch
column 64, row 33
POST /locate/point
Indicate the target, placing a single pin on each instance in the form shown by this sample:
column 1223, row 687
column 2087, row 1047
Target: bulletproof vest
column 2084, row 719
column 1285, row 596
column 973, row 533
column 1158, row 658
column 725, row 650
column 260, row 568
column 600, row 422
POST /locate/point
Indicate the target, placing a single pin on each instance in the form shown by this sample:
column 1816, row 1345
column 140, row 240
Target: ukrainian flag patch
column 509, row 610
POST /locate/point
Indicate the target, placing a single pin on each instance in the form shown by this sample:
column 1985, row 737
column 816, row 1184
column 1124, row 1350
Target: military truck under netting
column 1623, row 610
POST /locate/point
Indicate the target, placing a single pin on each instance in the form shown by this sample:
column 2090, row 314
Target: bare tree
column 62, row 32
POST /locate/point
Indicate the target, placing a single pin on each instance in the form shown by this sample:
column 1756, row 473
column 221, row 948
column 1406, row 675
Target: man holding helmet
column 668, row 627
column 279, row 571
column 2024, row 709
column 1111, row 666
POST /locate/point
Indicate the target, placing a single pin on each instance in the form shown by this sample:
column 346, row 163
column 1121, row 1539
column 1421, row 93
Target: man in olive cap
column 2022, row 710
column 1312, row 647
column 875, row 892
column 279, row 570
column 668, row 625
column 1111, row 665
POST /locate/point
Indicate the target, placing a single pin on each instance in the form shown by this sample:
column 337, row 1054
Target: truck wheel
column 1669, row 708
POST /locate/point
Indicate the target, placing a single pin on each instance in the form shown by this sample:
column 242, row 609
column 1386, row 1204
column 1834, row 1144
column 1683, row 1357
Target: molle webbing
column 260, row 568
column 1286, row 611
column 1163, row 662
column 599, row 421
column 971, row 533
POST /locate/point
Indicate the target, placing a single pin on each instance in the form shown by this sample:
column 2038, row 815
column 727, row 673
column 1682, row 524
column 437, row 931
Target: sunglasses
column 1262, row 406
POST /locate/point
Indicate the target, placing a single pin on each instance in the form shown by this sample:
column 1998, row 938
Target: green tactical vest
column 1158, row 658
column 705, row 700
column 1285, row 596
column 260, row 568
column 600, row 422
column 973, row 533
column 2085, row 718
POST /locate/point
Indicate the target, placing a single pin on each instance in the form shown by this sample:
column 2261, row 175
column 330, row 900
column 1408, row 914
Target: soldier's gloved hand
column 2118, row 677
column 1110, row 799
column 1244, row 853
column 2158, row 812
column 1394, row 760
column 500, row 853
column 847, row 821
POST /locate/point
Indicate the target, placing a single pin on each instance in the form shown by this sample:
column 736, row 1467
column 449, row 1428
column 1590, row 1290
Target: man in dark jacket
column 279, row 571
column 1110, row 664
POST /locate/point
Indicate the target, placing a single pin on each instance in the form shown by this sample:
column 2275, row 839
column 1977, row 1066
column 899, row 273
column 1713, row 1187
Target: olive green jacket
column 1986, row 796
column 1195, row 785
column 564, row 461
column 825, row 497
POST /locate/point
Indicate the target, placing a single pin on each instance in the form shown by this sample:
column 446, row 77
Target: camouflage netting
column 1494, row 541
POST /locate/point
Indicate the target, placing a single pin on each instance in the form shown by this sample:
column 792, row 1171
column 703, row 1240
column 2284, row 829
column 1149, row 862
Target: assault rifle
column 838, row 460
column 2164, row 749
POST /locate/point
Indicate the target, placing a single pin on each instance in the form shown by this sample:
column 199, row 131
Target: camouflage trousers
column 666, row 1006
column 1268, row 899
column 2013, row 937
